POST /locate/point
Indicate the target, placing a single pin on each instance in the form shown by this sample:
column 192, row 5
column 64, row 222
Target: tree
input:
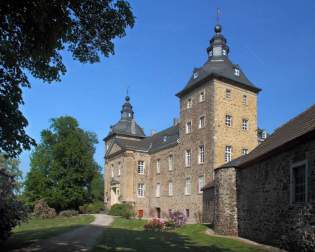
column 32, row 35
column 62, row 166
column 12, row 212
column 97, row 187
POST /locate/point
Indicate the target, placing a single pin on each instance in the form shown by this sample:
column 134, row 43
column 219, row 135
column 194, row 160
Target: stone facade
column 265, row 213
column 216, row 90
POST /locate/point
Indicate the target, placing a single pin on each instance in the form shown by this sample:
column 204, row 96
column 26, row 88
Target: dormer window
column 196, row 75
column 236, row 72
column 217, row 51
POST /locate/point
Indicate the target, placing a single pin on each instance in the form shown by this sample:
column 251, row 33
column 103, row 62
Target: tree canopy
column 32, row 35
column 62, row 166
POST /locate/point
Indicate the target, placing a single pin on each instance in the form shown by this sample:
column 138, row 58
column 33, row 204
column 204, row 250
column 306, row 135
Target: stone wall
column 225, row 206
column 208, row 206
column 265, row 213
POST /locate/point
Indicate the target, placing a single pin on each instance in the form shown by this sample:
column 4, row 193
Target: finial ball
column 127, row 98
column 218, row 28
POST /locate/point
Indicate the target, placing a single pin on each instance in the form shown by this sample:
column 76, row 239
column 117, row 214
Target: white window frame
column 228, row 153
column 201, row 183
column 170, row 188
column 244, row 151
column 158, row 166
column 228, row 93
column 188, row 127
column 140, row 190
column 189, row 103
column 202, row 96
column 112, row 170
column 158, row 190
column 170, row 162
column 188, row 186
column 202, row 119
column 292, row 182
column 228, row 120
column 245, row 124
column 188, row 157
column 236, row 72
column 141, row 167
column 201, row 154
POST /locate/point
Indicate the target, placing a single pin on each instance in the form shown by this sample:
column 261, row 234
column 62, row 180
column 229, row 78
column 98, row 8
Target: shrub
column 68, row 213
column 12, row 211
column 94, row 207
column 178, row 218
column 169, row 225
column 124, row 210
column 42, row 210
column 155, row 225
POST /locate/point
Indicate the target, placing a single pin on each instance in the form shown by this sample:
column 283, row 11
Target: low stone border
column 210, row 232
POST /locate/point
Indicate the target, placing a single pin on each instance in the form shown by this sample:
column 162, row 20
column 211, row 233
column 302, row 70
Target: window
column 201, row 158
column 170, row 162
column 189, row 103
column 170, row 188
column 236, row 72
column 188, row 127
column 202, row 122
column 188, row 186
column 245, row 99
column 299, row 183
column 187, row 213
column 228, row 120
column 196, row 75
column 158, row 190
column 119, row 169
column 244, row 151
column 158, row 169
column 140, row 190
column 228, row 93
column 113, row 174
column 141, row 167
column 201, row 183
column 245, row 124
column 202, row 96
column 188, row 158
column 228, row 153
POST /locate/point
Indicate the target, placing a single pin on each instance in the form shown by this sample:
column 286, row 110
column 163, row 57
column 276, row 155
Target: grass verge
column 128, row 235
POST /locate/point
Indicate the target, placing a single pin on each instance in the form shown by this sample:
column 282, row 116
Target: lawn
column 36, row 229
column 128, row 235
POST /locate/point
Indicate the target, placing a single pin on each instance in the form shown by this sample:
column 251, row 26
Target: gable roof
column 220, row 67
column 298, row 127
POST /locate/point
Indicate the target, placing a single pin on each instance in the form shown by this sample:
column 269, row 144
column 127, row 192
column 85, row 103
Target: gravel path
column 81, row 239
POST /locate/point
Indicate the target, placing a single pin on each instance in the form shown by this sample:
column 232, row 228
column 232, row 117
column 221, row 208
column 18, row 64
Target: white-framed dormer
column 299, row 183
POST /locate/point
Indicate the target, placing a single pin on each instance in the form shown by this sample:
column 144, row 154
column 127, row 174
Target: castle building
column 166, row 171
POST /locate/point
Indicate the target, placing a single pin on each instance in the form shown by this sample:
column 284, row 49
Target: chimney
column 175, row 121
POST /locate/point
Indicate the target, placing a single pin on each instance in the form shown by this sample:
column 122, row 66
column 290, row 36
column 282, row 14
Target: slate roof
column 159, row 141
column 127, row 127
column 293, row 130
column 218, row 67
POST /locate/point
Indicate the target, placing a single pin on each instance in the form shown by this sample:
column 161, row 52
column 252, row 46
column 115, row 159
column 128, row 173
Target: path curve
column 80, row 239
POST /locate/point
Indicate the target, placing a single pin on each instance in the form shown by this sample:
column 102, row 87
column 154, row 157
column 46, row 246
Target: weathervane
column 218, row 15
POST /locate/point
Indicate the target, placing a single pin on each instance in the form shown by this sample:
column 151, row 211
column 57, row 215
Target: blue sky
column 272, row 41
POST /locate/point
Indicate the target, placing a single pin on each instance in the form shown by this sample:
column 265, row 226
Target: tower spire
column 218, row 45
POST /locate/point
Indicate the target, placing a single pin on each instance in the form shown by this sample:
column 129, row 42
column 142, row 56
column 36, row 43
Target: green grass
column 128, row 235
column 37, row 229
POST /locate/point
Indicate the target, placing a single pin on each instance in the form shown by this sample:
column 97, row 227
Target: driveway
column 81, row 239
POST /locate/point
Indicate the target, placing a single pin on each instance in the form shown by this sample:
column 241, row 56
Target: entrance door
column 158, row 212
